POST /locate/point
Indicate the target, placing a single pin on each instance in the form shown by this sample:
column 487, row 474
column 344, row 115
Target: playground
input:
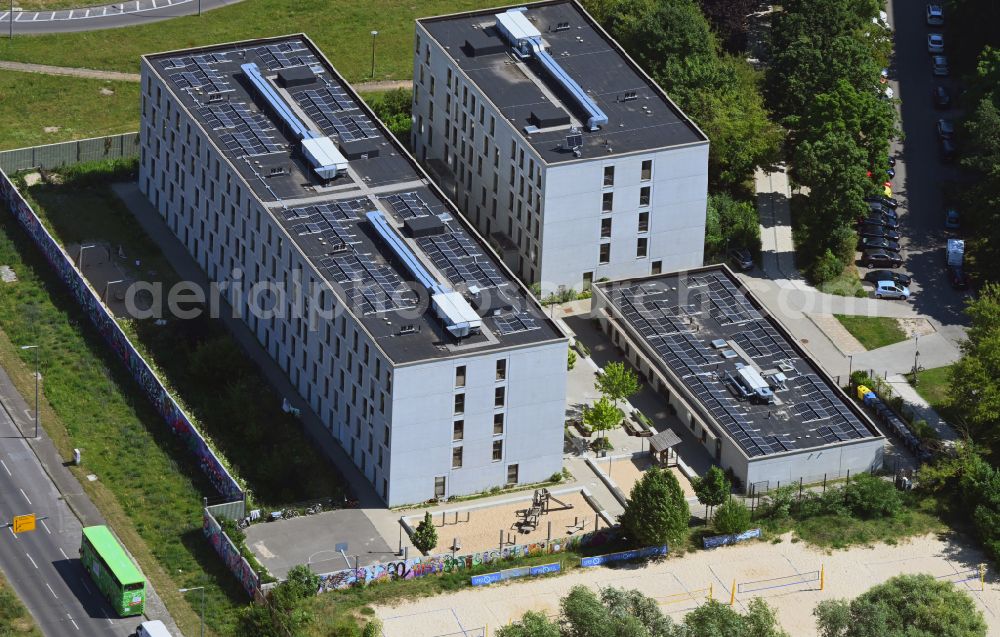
column 542, row 515
column 793, row 578
column 626, row 470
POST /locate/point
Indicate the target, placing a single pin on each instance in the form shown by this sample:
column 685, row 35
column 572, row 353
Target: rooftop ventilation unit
column 526, row 40
column 319, row 150
column 451, row 307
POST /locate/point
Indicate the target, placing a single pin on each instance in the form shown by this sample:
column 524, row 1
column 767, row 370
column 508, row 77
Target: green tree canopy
column 713, row 488
column 904, row 606
column 602, row 416
column 714, row 619
column 732, row 517
column 657, row 511
column 425, row 536
column 975, row 378
column 618, row 382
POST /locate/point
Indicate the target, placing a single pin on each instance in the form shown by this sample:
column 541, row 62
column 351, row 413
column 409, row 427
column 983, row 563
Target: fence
column 716, row 541
column 514, row 573
column 53, row 156
column 755, row 586
column 249, row 578
column 649, row 551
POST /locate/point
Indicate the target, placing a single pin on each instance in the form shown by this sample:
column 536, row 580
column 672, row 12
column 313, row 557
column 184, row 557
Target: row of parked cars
column 878, row 236
column 941, row 94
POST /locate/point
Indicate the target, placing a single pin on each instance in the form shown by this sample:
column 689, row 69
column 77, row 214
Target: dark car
column 952, row 220
column 878, row 219
column 875, row 208
column 741, row 258
column 957, row 277
column 898, row 278
column 942, row 98
column 880, row 257
column 889, row 202
column 948, row 151
column 892, row 161
column 878, row 232
column 869, row 243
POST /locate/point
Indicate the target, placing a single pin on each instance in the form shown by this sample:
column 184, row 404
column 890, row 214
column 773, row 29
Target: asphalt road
column 43, row 565
column 109, row 16
column 920, row 172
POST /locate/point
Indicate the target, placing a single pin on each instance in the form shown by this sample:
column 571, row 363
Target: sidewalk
column 920, row 407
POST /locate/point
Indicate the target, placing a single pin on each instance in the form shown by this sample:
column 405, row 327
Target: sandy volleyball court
column 680, row 583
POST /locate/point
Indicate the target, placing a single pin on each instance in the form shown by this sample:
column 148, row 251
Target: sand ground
column 478, row 529
column 626, row 471
column 680, row 583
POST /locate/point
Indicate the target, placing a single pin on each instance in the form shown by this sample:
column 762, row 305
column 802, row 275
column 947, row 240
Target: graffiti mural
column 237, row 565
column 716, row 541
column 437, row 564
column 105, row 323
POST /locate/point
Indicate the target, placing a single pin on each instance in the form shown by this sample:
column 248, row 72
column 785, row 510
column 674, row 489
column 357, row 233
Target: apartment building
column 426, row 360
column 557, row 146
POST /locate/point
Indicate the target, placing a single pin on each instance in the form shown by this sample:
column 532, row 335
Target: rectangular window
column 512, row 474
column 606, row 228
column 459, row 404
column 609, row 175
column 460, row 376
column 456, row 458
column 644, row 221
column 497, row 424
column 644, row 196
column 607, row 201
column 458, row 430
column 502, row 369
column 497, row 450
column 641, row 247
column 647, row 169
column 605, row 255
column 499, row 396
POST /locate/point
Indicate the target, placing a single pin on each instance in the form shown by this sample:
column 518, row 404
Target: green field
column 873, row 331
column 339, row 27
column 75, row 107
column 14, row 617
column 935, row 387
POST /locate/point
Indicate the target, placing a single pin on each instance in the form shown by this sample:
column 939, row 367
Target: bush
column 732, row 516
column 373, row 628
column 570, row 359
column 870, row 497
column 826, row 268
column 93, row 173
column 657, row 511
column 425, row 537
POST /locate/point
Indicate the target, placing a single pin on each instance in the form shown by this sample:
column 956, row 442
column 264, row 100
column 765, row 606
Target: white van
column 154, row 628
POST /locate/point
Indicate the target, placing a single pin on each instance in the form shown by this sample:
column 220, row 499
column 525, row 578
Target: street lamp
column 35, row 347
column 11, row 14
column 916, row 357
column 202, row 589
column 374, row 33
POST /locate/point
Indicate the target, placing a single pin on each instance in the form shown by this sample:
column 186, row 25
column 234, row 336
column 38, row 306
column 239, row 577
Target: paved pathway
column 108, row 16
column 777, row 248
column 47, row 69
column 921, row 408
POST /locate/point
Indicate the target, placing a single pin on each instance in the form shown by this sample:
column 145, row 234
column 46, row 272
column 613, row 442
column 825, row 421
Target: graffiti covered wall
column 157, row 394
column 437, row 564
column 237, row 565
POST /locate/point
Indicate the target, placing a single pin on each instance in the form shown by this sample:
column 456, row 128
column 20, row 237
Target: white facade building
column 424, row 357
column 557, row 146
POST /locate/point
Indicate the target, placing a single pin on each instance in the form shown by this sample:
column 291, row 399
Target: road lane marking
column 51, row 591
column 11, row 529
column 46, row 527
column 25, row 495
column 6, row 469
column 72, row 622
column 32, row 561
column 65, row 557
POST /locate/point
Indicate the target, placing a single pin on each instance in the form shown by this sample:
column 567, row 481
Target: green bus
column 109, row 566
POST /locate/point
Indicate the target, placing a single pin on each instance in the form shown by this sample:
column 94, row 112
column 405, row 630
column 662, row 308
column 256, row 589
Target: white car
column 935, row 15
column 890, row 290
column 935, row 43
column 882, row 20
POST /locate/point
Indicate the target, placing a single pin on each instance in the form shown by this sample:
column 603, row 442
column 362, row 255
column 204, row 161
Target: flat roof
column 640, row 115
column 114, row 555
column 326, row 219
column 699, row 324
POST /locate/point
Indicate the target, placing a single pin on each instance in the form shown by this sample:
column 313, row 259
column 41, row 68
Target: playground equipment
column 541, row 503
column 798, row 579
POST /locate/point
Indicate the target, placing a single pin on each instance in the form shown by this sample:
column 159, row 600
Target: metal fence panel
column 51, row 156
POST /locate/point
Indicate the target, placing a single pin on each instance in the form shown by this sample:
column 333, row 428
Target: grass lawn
column 53, row 5
column 14, row 617
column 847, row 284
column 75, row 107
column 935, row 387
column 873, row 331
column 339, row 27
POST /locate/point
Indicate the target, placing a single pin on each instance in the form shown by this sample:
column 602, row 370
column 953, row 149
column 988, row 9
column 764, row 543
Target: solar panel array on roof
column 763, row 343
column 195, row 74
column 410, row 204
column 327, row 109
column 459, row 258
column 821, row 405
column 284, row 55
column 509, row 323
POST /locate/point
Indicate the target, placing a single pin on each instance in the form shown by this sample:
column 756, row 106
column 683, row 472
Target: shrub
column 570, row 359
column 425, row 536
column 870, row 497
column 373, row 628
column 732, row 516
column 826, row 268
column 657, row 511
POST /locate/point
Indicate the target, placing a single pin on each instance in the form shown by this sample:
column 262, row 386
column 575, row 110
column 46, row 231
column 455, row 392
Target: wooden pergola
column 661, row 446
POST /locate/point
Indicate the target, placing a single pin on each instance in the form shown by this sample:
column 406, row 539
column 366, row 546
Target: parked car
column 891, row 290
column 879, row 257
column 885, row 201
column 935, row 43
column 945, row 128
column 880, row 220
column 741, row 258
column 939, row 66
column 878, row 207
column 898, row 278
column 870, row 243
column 877, row 231
column 957, row 277
column 935, row 15
column 942, row 98
column 951, row 219
column 892, row 161
column 948, row 151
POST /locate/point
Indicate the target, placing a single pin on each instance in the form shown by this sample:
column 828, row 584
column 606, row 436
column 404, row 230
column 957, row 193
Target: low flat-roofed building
column 736, row 378
column 424, row 357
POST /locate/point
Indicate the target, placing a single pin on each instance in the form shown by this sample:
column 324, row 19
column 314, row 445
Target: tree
column 618, row 382
column 602, row 416
column 911, row 605
column 870, row 497
column 282, row 611
column 714, row 619
column 615, row 613
column 531, row 624
column 975, row 378
column 712, row 489
column 425, row 536
column 732, row 517
column 729, row 223
column 729, row 17
column 657, row 511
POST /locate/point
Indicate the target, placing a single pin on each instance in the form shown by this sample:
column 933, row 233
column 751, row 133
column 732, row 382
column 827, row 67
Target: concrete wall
column 812, row 465
column 423, row 422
